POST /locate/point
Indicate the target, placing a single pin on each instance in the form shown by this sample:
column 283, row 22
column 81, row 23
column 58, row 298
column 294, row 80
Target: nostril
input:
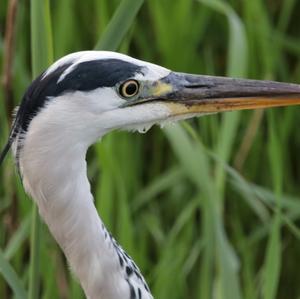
column 194, row 86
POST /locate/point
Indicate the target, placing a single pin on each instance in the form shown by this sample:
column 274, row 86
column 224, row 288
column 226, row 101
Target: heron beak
column 186, row 93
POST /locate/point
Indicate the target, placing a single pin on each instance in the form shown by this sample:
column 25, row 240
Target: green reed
column 208, row 208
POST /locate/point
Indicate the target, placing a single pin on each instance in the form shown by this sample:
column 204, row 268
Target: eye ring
column 129, row 88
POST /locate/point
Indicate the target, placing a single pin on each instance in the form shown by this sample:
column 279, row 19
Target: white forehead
column 152, row 71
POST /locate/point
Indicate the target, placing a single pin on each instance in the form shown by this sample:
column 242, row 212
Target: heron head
column 84, row 95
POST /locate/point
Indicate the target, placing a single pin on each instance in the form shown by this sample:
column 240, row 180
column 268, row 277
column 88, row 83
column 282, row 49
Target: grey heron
column 76, row 101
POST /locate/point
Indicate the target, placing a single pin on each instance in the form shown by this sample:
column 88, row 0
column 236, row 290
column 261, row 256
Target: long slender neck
column 58, row 183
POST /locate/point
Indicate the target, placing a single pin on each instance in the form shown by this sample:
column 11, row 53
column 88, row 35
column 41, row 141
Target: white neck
column 56, row 179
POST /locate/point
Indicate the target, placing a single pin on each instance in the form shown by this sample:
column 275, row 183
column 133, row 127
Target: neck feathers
column 56, row 179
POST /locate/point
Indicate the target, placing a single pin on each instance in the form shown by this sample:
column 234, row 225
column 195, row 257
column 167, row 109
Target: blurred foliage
column 209, row 208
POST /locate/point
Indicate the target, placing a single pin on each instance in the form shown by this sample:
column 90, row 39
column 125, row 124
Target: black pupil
column 130, row 89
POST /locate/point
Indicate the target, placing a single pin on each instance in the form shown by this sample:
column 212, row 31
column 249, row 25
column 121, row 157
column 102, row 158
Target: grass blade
column 12, row 278
column 41, row 36
column 119, row 25
column 237, row 48
column 273, row 255
column 272, row 261
column 42, row 56
column 19, row 237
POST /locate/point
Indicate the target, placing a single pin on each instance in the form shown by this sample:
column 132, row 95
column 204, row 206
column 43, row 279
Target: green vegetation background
column 209, row 208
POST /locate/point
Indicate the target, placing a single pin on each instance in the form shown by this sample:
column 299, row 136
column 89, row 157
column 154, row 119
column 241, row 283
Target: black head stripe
column 90, row 75
column 85, row 76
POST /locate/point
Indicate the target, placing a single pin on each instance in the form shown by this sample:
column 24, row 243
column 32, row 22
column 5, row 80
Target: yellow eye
column 129, row 88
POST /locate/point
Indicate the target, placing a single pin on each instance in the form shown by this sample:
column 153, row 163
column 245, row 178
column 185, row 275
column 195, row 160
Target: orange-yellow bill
column 186, row 93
